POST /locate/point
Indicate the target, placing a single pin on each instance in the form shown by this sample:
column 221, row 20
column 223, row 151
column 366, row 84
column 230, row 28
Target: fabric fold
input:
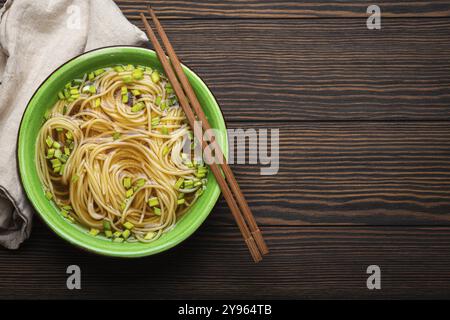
column 36, row 37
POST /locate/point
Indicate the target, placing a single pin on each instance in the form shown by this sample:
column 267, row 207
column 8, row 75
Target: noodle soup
column 115, row 154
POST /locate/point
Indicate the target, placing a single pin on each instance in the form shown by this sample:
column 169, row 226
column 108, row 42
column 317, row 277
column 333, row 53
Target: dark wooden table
column 364, row 119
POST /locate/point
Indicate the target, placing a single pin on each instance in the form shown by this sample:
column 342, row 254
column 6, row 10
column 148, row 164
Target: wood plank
column 351, row 173
column 321, row 69
column 308, row 262
column 199, row 9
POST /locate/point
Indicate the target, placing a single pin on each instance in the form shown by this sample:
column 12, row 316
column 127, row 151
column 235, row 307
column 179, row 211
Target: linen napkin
column 35, row 38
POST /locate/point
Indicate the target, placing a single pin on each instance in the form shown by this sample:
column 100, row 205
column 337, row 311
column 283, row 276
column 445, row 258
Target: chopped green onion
column 199, row 192
column 153, row 202
column 75, row 178
column 56, row 145
column 99, row 72
column 71, row 218
column 137, row 74
column 91, row 76
column 136, row 92
column 68, row 208
column 127, row 79
column 66, row 93
column 64, row 158
column 155, row 121
column 58, row 153
column 124, row 90
column 50, row 153
column 61, row 95
column 166, row 150
column 126, row 234
column 180, row 195
column 69, row 135
column 164, row 130
column 125, row 98
column 108, row 233
column 128, row 225
column 140, row 182
column 148, row 70
column 97, row 102
column 74, row 92
column 66, row 151
column 198, row 184
column 179, row 183
column 202, row 169
column 188, row 184
column 127, row 183
column 169, row 90
column 149, row 235
column 118, row 240
column 119, row 69
column 155, row 76
column 116, row 135
column 49, row 141
column 55, row 163
column 61, row 170
column 157, row 211
column 106, row 225
column 64, row 110
column 94, row 231
column 138, row 107
column 129, row 193
column 49, row 195
column 90, row 89
column 123, row 205
column 158, row 100
column 117, row 234
column 59, row 129
column 181, row 201
column 129, row 67
column 64, row 213
column 163, row 106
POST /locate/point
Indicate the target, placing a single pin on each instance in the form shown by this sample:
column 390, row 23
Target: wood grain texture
column 330, row 69
column 320, row 69
column 287, row 9
column 351, row 173
column 305, row 262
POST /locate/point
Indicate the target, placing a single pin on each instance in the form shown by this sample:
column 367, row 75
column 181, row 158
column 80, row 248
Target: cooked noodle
column 112, row 154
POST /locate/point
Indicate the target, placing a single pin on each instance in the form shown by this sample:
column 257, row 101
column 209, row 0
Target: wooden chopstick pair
column 187, row 98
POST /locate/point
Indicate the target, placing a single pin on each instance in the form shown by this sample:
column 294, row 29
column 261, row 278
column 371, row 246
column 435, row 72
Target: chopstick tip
column 256, row 255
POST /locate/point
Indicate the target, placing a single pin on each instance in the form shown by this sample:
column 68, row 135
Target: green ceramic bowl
column 46, row 96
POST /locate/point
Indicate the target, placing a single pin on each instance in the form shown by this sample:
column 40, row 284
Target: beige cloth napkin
column 35, row 38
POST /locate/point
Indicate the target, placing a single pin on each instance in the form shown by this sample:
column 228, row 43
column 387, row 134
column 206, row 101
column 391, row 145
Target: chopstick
column 252, row 236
